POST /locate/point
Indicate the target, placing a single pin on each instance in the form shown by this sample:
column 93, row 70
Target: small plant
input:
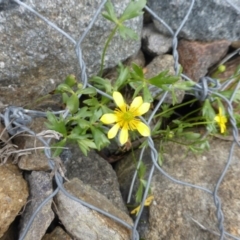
column 88, row 111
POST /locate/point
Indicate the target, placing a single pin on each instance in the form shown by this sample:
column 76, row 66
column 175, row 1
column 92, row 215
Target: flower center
column 128, row 116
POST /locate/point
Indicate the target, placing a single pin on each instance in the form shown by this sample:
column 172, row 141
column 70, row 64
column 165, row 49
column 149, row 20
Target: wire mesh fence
column 17, row 118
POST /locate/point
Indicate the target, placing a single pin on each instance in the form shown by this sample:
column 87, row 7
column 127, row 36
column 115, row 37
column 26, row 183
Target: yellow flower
column 125, row 119
column 221, row 120
column 147, row 202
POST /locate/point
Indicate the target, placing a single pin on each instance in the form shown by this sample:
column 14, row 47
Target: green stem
column 105, row 49
column 175, row 107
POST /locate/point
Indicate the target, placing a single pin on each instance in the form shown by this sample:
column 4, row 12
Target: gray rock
column 176, row 208
column 84, row 223
column 40, row 185
column 153, row 42
column 34, row 57
column 157, row 65
column 13, row 195
column 209, row 20
column 96, row 172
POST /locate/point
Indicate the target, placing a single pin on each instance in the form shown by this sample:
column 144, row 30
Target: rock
column 208, row 20
column 138, row 59
column 157, row 65
column 176, row 207
column 96, row 172
column 84, row 223
column 40, row 185
column 57, row 234
column 13, row 194
column 36, row 160
column 197, row 57
column 34, row 57
column 235, row 44
column 153, row 42
column 231, row 67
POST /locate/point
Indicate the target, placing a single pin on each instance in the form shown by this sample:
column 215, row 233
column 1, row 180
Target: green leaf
column 70, row 80
column 228, row 95
column 100, row 138
column 84, row 124
column 58, row 147
column 64, row 98
column 138, row 70
column 127, row 33
column 88, row 91
column 122, row 78
column 91, row 102
column 147, row 96
column 56, row 124
column 209, row 114
column 85, row 145
column 141, row 170
column 134, row 9
column 139, row 194
column 191, row 135
column 73, row 103
column 102, row 83
column 110, row 13
column 184, row 85
column 96, row 115
column 162, row 79
column 138, row 89
column 64, row 88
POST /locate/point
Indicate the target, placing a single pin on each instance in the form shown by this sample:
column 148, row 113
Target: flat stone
column 57, row 234
column 197, row 57
column 13, row 195
column 40, row 185
column 176, row 208
column 96, row 172
column 35, row 58
column 208, row 20
column 36, row 160
column 84, row 223
column 153, row 42
column 157, row 65
column 236, row 44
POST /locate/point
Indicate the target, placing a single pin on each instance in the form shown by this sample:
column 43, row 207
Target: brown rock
column 13, row 195
column 231, row 67
column 236, row 44
column 176, row 208
column 197, row 57
column 57, row 234
column 84, row 223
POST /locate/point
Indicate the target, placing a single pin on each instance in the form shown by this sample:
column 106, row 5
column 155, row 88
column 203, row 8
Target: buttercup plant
column 90, row 113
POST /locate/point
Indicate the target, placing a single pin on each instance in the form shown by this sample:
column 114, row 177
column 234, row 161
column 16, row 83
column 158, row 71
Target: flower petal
column 142, row 109
column 223, row 128
column 118, row 99
column 113, row 131
column 217, row 119
column 136, row 103
column 108, row 118
column 143, row 129
column 123, row 137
